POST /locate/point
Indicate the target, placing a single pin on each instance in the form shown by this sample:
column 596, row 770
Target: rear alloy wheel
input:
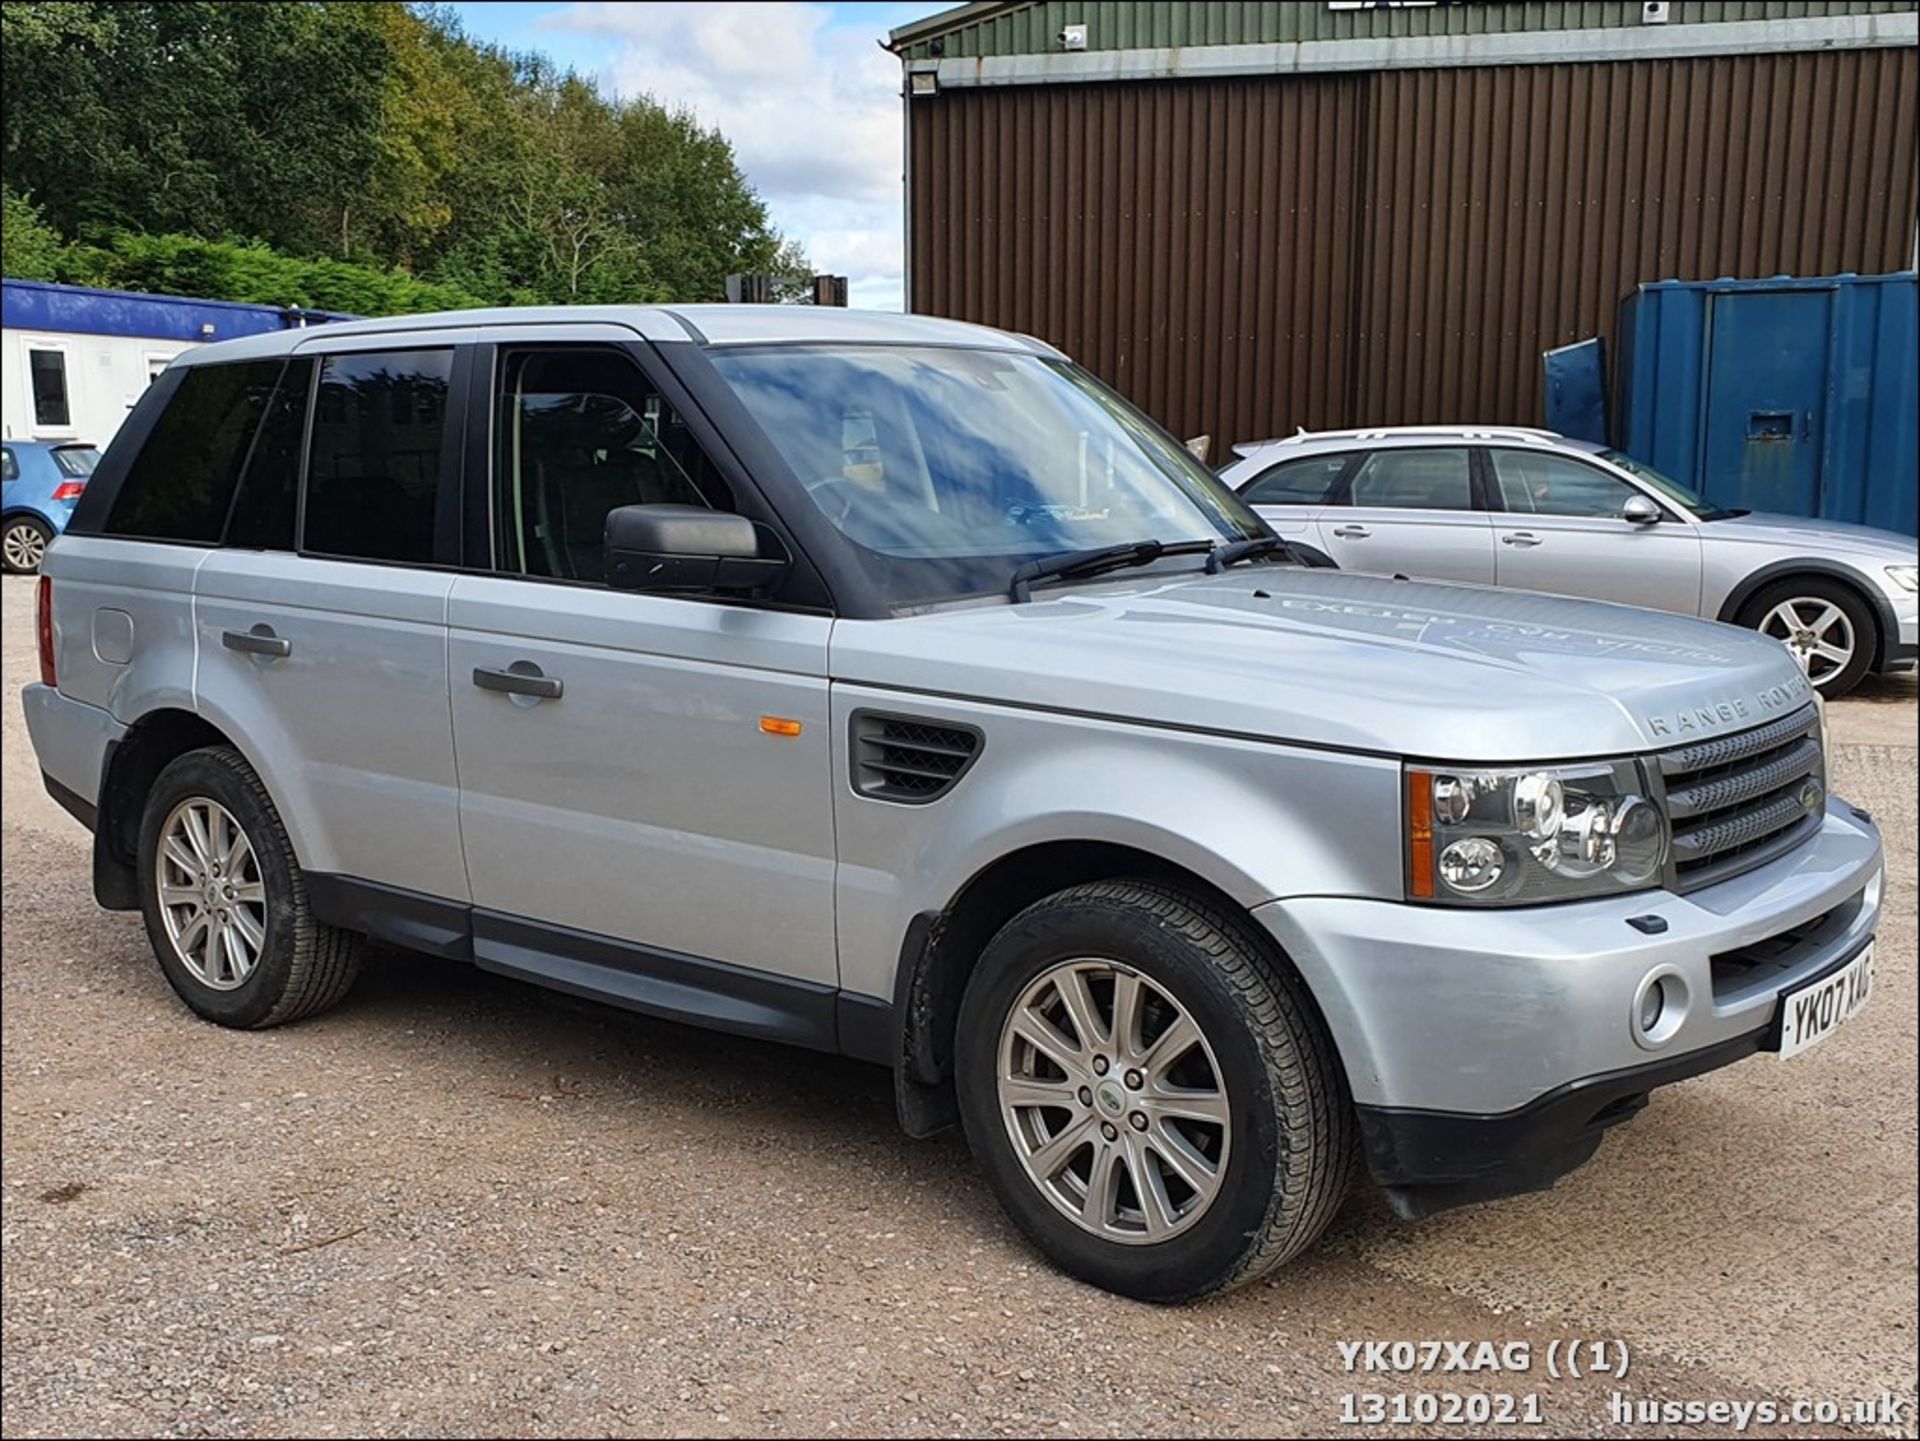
column 1825, row 627
column 23, row 544
column 225, row 902
column 1150, row 1090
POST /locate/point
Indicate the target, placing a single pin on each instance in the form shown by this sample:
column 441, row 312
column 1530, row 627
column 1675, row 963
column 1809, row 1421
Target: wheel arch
column 941, row 949
column 1885, row 625
column 127, row 772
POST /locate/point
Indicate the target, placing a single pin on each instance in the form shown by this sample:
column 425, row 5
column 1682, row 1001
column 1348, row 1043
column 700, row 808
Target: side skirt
column 647, row 979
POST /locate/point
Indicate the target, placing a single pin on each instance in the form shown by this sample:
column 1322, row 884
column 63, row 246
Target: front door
column 1766, row 399
column 645, row 781
column 1559, row 527
column 1409, row 511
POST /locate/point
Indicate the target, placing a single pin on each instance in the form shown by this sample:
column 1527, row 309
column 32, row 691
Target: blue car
column 43, row 481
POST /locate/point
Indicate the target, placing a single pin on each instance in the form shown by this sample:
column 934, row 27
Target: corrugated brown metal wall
column 1243, row 256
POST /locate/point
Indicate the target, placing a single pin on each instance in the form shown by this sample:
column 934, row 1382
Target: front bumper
column 1487, row 1050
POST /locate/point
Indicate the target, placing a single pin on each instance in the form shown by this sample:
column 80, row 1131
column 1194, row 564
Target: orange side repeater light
column 777, row 725
column 1420, row 834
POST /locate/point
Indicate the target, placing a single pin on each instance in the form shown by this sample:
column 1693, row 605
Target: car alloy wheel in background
column 23, row 544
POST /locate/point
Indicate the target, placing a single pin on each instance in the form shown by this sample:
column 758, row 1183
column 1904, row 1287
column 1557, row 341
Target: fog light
column 1472, row 864
column 1653, row 1001
column 1659, row 1007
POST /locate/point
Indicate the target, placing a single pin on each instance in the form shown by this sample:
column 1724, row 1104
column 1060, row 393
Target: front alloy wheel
column 1150, row 1091
column 1113, row 1102
column 1817, row 632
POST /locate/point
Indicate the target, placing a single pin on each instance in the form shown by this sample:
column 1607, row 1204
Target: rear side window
column 1414, row 480
column 9, row 467
column 181, row 483
column 264, row 509
column 1308, row 481
column 373, row 475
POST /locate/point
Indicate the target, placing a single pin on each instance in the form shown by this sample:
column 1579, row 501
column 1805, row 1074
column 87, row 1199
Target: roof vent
column 909, row 759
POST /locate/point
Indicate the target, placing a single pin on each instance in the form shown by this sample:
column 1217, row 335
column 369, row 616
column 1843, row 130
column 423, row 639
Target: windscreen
column 945, row 469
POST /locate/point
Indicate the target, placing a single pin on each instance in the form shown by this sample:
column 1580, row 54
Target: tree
column 33, row 248
column 375, row 134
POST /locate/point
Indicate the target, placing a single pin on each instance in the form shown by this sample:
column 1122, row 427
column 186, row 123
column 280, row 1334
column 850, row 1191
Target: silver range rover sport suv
column 889, row 686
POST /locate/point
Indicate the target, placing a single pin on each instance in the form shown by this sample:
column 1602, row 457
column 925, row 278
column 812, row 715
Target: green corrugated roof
column 993, row 29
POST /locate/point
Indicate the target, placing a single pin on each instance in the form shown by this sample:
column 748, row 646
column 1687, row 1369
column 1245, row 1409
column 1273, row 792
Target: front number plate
column 1809, row 1015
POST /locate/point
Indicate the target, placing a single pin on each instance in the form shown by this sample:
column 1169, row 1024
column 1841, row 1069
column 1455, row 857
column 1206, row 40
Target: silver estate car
column 890, row 686
column 1535, row 510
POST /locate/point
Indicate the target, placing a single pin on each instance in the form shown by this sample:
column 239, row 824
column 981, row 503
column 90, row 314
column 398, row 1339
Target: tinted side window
column 373, row 475
column 264, row 508
column 1414, row 480
column 9, row 467
column 1536, row 483
column 180, row 484
column 1307, row 481
column 580, row 433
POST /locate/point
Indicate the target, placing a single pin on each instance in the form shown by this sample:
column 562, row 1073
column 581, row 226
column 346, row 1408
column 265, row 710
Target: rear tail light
column 43, row 629
column 69, row 489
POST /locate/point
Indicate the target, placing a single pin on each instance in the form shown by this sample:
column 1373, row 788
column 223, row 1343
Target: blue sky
column 804, row 92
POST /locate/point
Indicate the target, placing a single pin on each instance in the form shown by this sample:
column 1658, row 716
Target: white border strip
column 1531, row 47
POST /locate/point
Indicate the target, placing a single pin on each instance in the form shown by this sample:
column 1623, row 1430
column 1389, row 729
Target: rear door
column 1291, row 496
column 1410, row 511
column 1559, row 528
column 645, row 779
column 321, row 623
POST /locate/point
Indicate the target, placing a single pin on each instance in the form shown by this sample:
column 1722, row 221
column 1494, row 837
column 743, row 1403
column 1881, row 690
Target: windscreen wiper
column 1074, row 563
column 1255, row 547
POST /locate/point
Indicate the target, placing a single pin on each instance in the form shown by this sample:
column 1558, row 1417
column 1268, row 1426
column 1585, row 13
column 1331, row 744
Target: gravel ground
column 461, row 1205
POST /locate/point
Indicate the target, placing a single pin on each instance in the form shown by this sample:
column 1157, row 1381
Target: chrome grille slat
column 1738, row 801
column 1698, row 798
column 1727, row 750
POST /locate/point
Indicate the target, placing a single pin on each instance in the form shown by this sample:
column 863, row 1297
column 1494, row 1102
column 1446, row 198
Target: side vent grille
column 910, row 760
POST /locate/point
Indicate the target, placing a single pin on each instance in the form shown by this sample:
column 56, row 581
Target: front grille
column 1762, row 964
column 907, row 759
column 1738, row 801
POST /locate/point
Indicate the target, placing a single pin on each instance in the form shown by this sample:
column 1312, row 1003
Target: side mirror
column 685, row 549
column 1640, row 511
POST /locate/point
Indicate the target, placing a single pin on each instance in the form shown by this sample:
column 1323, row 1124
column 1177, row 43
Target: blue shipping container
column 1792, row 395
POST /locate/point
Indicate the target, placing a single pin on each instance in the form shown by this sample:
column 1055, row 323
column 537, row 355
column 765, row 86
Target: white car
column 1536, row 510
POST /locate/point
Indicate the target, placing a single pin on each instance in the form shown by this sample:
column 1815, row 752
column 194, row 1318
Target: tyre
column 225, row 905
column 1826, row 626
column 1155, row 1102
column 23, row 542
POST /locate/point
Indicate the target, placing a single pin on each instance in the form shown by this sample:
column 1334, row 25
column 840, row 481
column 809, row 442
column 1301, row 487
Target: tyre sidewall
column 211, row 774
column 1210, row 1252
column 1866, row 625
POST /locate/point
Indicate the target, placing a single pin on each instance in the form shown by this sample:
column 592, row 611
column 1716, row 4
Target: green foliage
column 225, row 270
column 33, row 248
column 362, row 157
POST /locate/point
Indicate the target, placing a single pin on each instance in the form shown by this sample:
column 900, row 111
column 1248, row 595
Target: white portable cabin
column 74, row 359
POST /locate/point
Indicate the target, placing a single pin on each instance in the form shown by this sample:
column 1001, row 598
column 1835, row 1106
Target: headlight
column 1907, row 577
column 1513, row 837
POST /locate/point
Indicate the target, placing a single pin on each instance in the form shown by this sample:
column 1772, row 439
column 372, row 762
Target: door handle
column 1520, row 538
column 1353, row 532
column 259, row 641
column 521, row 678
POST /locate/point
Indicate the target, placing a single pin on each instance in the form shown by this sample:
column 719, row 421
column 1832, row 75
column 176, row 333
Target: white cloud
column 809, row 100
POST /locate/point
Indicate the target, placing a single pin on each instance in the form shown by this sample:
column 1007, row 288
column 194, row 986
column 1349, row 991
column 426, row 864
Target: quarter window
column 373, row 477
column 583, row 432
column 1539, row 483
column 1439, row 479
column 1308, row 481
column 49, row 372
column 181, row 483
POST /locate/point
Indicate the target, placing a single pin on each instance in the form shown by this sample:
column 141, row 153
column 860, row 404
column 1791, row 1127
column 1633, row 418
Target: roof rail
column 1374, row 432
